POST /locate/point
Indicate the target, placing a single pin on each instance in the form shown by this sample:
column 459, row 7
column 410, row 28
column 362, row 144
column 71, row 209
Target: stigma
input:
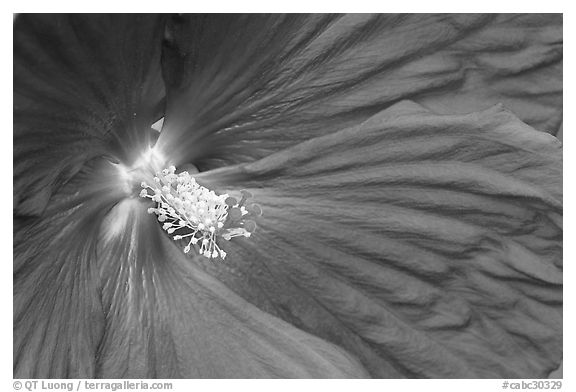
column 191, row 212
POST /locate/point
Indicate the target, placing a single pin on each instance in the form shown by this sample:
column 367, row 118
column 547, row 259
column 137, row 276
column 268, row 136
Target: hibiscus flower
column 400, row 174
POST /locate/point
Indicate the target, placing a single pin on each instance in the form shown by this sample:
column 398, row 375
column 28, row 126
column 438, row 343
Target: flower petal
column 429, row 246
column 242, row 87
column 84, row 85
column 58, row 318
column 166, row 318
column 517, row 62
column 100, row 291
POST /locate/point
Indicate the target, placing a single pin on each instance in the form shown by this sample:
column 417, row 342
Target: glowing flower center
column 198, row 213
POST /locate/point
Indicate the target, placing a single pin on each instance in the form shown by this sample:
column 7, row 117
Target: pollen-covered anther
column 197, row 214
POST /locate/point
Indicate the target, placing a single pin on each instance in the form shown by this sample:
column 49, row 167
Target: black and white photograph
column 287, row 196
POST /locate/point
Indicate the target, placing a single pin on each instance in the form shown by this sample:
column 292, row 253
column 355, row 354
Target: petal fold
column 517, row 62
column 428, row 245
column 243, row 86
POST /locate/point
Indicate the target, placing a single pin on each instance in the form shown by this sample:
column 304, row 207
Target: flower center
column 197, row 214
column 143, row 168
